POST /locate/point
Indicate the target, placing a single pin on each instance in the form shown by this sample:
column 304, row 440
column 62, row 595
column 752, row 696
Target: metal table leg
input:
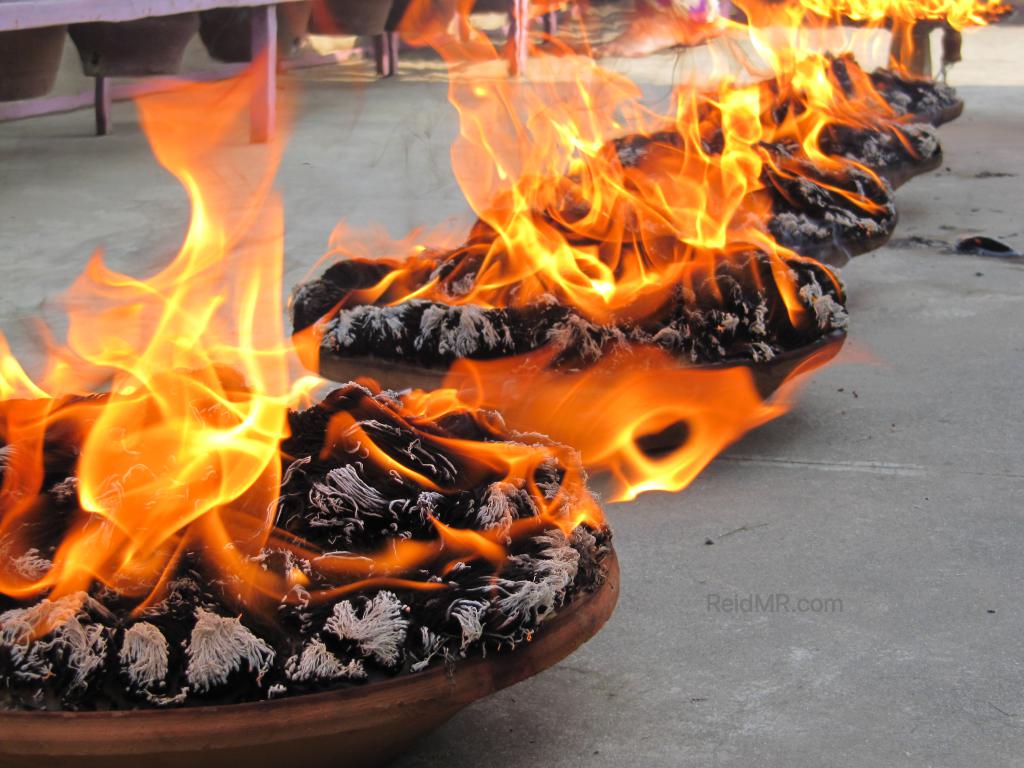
column 380, row 54
column 393, row 43
column 102, row 107
column 550, row 20
column 263, row 112
column 911, row 47
column 519, row 34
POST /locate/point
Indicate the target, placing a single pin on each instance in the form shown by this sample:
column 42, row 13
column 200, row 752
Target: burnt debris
column 897, row 154
column 347, row 619
column 921, row 100
column 829, row 212
column 911, row 99
column 734, row 313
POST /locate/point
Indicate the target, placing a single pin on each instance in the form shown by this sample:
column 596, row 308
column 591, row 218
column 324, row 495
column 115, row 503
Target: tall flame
column 183, row 447
column 181, row 453
column 561, row 213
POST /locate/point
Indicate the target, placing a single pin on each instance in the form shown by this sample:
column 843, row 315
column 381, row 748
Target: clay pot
column 227, row 32
column 350, row 17
column 292, row 26
column 29, row 60
column 397, row 375
column 355, row 727
column 151, row 46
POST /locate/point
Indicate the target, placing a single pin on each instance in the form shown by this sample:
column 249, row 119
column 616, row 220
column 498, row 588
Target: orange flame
column 560, row 212
column 957, row 13
column 905, row 18
column 184, row 445
column 647, row 422
column 181, row 453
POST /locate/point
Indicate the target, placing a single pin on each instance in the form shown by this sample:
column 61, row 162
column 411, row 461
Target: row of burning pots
column 411, row 536
column 423, row 553
column 29, row 59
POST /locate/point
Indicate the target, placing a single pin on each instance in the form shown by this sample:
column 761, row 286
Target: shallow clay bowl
column 349, row 728
column 900, row 173
column 391, row 374
column 945, row 115
column 838, row 254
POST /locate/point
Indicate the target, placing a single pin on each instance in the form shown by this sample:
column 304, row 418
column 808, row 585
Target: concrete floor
column 895, row 487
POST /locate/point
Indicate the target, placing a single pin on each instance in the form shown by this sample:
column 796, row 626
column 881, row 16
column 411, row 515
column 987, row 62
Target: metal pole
column 263, row 112
column 551, row 23
column 519, row 32
column 101, row 103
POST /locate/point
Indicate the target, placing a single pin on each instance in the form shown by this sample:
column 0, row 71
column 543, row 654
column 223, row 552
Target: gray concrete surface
column 896, row 486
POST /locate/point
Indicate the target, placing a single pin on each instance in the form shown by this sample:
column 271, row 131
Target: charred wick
column 197, row 642
column 203, row 638
column 734, row 314
column 726, row 317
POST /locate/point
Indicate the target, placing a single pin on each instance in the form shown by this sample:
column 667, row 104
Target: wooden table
column 30, row 14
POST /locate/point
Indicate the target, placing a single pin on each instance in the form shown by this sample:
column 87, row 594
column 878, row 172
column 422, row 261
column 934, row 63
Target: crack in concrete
column 872, row 467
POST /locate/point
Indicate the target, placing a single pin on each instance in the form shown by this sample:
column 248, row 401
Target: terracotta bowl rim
column 594, row 607
column 404, row 368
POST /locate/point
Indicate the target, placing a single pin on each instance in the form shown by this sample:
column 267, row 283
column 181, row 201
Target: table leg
column 263, row 112
column 911, row 48
column 550, row 20
column 519, row 34
column 102, row 106
column 380, row 54
column 394, row 41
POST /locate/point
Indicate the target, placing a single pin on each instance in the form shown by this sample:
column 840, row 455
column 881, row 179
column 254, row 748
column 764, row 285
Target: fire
column 182, row 453
column 564, row 213
column 561, row 215
column 563, row 210
column 958, row 13
column 566, row 210
column 569, row 211
column 651, row 425
column 802, row 26
column 182, row 447
column 476, row 463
